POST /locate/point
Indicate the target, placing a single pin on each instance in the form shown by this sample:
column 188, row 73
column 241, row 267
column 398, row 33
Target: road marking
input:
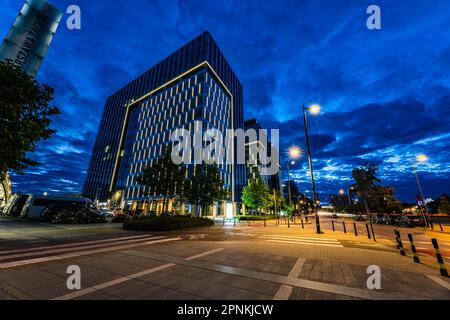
column 120, row 280
column 305, row 240
column 307, row 243
column 295, row 237
column 72, row 244
column 438, row 280
column 79, row 254
column 74, row 248
column 204, row 254
column 285, row 291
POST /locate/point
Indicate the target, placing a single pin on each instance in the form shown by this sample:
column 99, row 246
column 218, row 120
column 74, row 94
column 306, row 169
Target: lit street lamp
column 294, row 152
column 421, row 158
column 313, row 109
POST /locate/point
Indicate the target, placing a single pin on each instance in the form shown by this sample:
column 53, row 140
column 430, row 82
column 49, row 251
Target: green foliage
column 163, row 178
column 75, row 217
column 25, row 117
column 166, row 223
column 444, row 205
column 256, row 195
column 205, row 186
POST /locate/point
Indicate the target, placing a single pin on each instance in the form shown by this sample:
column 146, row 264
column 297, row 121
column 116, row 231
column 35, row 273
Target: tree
column 365, row 179
column 256, row 195
column 444, row 206
column 204, row 186
column 163, row 178
column 25, row 117
column 382, row 200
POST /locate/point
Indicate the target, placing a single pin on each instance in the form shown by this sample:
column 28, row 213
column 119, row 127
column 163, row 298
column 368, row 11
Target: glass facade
column 195, row 83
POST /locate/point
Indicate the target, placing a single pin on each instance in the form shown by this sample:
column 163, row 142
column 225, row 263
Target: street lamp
column 421, row 158
column 295, row 153
column 313, row 109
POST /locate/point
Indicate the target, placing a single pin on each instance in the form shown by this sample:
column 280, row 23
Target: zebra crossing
column 28, row 256
column 325, row 242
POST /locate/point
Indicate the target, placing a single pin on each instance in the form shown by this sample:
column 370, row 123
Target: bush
column 120, row 218
column 75, row 217
column 164, row 223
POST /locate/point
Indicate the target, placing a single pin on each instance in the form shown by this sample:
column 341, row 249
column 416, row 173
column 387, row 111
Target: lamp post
column 294, row 153
column 315, row 110
column 421, row 158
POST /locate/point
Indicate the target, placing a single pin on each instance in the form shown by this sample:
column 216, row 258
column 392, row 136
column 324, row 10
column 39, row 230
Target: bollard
column 345, row 229
column 399, row 243
column 264, row 223
column 248, row 222
column 294, row 220
column 356, row 230
column 303, row 226
column 373, row 232
column 234, row 222
column 332, row 224
column 368, row 232
column 413, row 248
column 440, row 226
column 442, row 268
column 431, row 225
column 289, row 224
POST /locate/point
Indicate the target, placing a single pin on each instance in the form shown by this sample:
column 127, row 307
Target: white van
column 36, row 204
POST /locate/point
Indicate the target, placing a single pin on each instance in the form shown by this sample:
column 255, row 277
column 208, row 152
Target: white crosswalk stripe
column 327, row 242
column 57, row 252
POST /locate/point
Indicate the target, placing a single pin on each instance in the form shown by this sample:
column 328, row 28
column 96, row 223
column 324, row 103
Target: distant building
column 30, row 35
column 194, row 84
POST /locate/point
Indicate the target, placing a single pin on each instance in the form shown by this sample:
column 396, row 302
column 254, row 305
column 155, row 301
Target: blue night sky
column 385, row 93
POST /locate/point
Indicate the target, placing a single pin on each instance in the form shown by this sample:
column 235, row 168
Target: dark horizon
column 385, row 95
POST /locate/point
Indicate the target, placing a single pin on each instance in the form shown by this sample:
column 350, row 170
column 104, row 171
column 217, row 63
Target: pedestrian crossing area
column 290, row 239
column 33, row 255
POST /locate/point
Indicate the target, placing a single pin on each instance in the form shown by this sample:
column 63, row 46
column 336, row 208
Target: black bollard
column 399, row 243
column 264, row 223
column 368, row 232
column 413, row 248
column 332, row 225
column 356, row 230
column 289, row 224
column 345, row 229
column 303, row 226
column 440, row 226
column 442, row 268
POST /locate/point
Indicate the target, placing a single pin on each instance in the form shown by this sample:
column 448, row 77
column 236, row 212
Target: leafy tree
column 365, row 180
column 382, row 200
column 444, row 206
column 256, row 195
column 204, row 187
column 25, row 117
column 163, row 178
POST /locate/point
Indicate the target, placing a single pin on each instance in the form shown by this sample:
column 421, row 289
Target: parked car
column 385, row 219
column 410, row 221
column 36, row 204
column 107, row 213
column 15, row 205
column 71, row 213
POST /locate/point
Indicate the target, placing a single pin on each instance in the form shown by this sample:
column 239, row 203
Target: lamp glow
column 422, row 158
column 295, row 152
column 314, row 109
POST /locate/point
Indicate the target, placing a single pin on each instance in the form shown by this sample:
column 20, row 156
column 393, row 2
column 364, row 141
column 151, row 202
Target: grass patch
column 165, row 223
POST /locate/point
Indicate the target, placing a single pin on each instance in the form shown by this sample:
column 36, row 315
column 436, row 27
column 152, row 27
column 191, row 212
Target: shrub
column 76, row 217
column 164, row 223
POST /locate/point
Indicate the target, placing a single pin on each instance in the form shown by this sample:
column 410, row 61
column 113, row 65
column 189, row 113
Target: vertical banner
column 29, row 37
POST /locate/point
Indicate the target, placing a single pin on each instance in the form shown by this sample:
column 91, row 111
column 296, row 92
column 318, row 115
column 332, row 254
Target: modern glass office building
column 193, row 86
